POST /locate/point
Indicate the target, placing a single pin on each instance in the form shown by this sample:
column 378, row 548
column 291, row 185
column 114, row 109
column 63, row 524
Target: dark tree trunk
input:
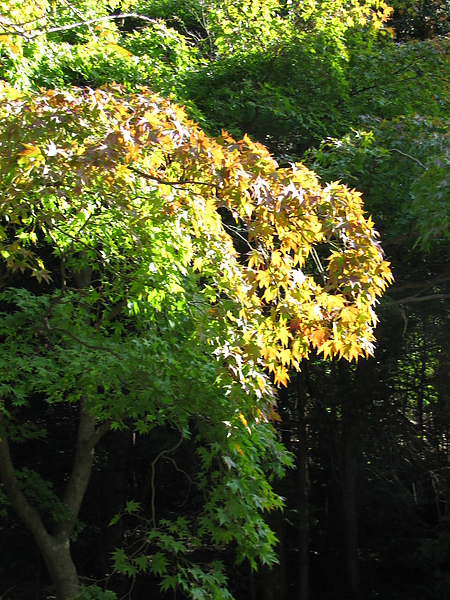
column 61, row 568
column 349, row 508
column 303, row 481
column 352, row 410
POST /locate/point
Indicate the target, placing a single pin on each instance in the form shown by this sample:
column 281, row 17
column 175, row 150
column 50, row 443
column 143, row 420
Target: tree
column 126, row 296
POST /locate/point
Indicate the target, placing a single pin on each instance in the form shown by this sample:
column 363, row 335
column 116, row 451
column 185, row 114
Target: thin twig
column 77, row 339
column 80, row 16
column 87, row 23
column 160, row 455
column 409, row 156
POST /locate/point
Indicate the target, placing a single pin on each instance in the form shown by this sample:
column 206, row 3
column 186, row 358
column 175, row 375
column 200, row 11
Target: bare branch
column 409, row 156
column 421, row 287
column 416, row 298
column 16, row 29
column 153, row 465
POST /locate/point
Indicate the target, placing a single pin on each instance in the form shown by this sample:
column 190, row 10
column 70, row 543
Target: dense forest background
column 359, row 92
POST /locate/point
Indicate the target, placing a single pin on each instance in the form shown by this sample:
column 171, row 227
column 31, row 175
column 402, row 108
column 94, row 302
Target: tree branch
column 17, row 29
column 165, row 182
column 409, row 156
column 416, row 298
column 88, row 437
column 26, row 512
column 443, row 278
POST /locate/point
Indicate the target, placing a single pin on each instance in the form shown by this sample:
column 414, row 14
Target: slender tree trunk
column 303, row 480
column 351, row 415
column 349, row 507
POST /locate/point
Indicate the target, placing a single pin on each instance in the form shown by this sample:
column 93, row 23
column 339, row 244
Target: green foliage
column 238, row 458
column 404, row 158
column 93, row 592
column 174, row 565
column 389, row 80
column 41, row 494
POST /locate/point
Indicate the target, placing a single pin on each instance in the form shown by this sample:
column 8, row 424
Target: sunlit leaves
column 88, row 159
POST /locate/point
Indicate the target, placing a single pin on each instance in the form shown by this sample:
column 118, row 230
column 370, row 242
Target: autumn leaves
column 312, row 268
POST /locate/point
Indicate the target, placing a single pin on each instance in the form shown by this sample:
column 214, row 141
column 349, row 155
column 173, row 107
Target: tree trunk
column 56, row 548
column 61, row 568
column 352, row 407
column 349, row 507
column 303, row 502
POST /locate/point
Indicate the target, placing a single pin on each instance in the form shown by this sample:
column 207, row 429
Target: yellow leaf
column 286, row 357
column 237, row 448
column 270, row 293
column 244, row 421
column 263, row 278
column 118, row 49
column 198, row 262
column 12, row 47
column 30, row 150
column 276, row 258
column 281, row 376
column 284, row 335
column 253, row 261
column 248, row 209
column 268, row 353
column 348, row 315
column 318, row 336
column 327, row 349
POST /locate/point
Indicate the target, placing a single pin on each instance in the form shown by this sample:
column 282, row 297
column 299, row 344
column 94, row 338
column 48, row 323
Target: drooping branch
column 409, row 156
column 153, row 465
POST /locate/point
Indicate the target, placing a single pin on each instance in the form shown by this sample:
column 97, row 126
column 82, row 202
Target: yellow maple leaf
column 244, row 422
column 348, row 314
column 276, row 258
column 264, row 278
column 281, row 376
column 286, row 357
column 198, row 262
column 253, row 261
column 270, row 293
column 284, row 335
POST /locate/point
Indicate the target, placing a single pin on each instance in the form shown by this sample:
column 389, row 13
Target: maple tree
column 147, row 241
column 139, row 142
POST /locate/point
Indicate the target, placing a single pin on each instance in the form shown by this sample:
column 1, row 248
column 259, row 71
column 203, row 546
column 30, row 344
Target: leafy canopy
column 102, row 176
